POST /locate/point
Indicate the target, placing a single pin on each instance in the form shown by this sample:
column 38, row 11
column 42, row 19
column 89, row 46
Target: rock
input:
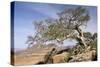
column 61, row 58
column 47, row 57
column 87, row 56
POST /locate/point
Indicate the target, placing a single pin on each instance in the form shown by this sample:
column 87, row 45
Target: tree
column 68, row 25
column 94, row 36
column 37, row 38
column 30, row 41
column 74, row 19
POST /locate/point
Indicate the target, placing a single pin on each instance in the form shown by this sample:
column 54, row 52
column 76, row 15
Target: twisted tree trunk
column 80, row 37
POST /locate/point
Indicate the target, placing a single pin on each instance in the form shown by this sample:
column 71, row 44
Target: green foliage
column 93, row 44
column 75, row 17
column 95, row 36
column 64, row 25
column 87, row 35
column 56, row 31
column 92, row 38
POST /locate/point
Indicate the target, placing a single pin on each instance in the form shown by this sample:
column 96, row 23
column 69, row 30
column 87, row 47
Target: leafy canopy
column 65, row 25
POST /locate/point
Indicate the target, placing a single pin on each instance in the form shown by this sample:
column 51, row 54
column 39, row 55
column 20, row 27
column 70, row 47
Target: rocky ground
column 52, row 54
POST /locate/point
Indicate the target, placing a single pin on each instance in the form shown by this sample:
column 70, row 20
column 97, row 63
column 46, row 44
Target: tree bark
column 80, row 37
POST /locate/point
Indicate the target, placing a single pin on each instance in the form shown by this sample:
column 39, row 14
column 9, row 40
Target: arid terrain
column 49, row 55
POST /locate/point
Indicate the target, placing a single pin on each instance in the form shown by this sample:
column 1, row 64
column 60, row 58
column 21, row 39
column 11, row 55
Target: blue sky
column 27, row 12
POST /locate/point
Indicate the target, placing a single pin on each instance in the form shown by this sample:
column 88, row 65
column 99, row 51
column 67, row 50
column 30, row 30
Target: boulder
column 86, row 56
column 61, row 58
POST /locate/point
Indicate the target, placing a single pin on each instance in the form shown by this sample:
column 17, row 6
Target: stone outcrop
column 52, row 54
column 61, row 58
column 86, row 56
